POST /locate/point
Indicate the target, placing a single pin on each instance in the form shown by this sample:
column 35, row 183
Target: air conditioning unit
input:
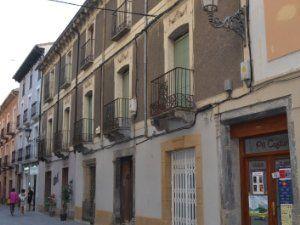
column 132, row 106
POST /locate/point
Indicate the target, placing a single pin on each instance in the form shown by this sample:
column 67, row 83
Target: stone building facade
column 136, row 121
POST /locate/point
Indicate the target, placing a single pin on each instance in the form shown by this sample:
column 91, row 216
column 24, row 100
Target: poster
column 258, row 183
column 258, row 206
column 286, row 214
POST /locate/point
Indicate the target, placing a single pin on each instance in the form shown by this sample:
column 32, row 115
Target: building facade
column 8, row 116
column 26, row 140
column 136, row 121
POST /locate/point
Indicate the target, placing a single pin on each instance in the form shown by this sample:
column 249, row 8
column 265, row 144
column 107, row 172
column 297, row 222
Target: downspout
column 76, row 80
column 40, row 108
column 102, row 82
column 58, row 93
column 145, row 71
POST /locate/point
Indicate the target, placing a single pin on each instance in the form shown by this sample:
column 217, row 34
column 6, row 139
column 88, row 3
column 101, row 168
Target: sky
column 25, row 23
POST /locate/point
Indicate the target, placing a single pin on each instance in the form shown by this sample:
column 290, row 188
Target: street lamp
column 235, row 23
column 27, row 133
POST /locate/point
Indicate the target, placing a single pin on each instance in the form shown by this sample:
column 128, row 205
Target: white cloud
column 25, row 23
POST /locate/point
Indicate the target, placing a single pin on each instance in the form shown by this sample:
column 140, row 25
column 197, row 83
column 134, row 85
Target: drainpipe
column 76, row 79
column 102, row 82
column 58, row 90
column 145, row 71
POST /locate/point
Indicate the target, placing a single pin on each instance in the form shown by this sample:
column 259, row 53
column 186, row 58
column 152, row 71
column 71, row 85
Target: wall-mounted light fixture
column 235, row 23
column 27, row 133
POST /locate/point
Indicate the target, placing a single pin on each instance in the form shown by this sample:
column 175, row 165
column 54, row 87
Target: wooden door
column 65, row 177
column 126, row 190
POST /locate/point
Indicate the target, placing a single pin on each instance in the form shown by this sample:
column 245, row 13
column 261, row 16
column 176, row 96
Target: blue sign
column 285, row 191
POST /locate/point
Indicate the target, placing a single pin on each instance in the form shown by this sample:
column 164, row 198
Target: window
column 23, row 88
column 30, row 81
column 66, row 128
column 49, row 136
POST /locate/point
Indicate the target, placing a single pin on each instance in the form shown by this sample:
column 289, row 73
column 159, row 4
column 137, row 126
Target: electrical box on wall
column 246, row 72
column 132, row 106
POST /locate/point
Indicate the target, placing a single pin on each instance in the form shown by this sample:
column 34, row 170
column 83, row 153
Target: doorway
column 267, row 195
column 126, row 189
column 48, row 178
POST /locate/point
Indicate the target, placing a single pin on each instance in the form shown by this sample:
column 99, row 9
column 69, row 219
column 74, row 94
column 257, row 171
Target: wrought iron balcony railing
column 87, row 53
column 20, row 155
column 121, row 20
column 62, row 141
column 172, row 90
column 84, row 131
column 65, row 78
column 116, row 115
column 48, row 92
column 25, row 116
column 10, row 129
column 34, row 109
column 28, row 152
column 13, row 157
column 45, row 147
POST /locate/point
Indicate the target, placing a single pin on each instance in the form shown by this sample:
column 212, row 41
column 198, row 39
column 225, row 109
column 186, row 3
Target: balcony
column 117, row 121
column 25, row 116
column 62, row 143
column 45, row 148
column 172, row 98
column 48, row 92
column 65, row 78
column 87, row 54
column 2, row 134
column 121, row 20
column 13, row 157
column 28, row 152
column 34, row 110
column 10, row 129
column 84, row 134
column 18, row 121
column 20, row 155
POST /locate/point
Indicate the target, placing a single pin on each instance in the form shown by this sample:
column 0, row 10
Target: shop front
column 265, row 171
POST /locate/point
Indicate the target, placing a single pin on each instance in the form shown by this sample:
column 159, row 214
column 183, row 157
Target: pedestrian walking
column 22, row 197
column 13, row 200
column 29, row 198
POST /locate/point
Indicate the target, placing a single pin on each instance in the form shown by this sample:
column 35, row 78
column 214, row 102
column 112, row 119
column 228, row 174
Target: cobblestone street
column 30, row 218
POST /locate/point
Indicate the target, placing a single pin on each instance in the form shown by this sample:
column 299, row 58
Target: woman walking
column 29, row 198
column 23, row 198
column 13, row 200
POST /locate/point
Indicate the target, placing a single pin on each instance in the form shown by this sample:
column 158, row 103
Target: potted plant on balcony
column 65, row 198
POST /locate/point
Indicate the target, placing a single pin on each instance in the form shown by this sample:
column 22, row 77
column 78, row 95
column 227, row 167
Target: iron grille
column 62, row 141
column 116, row 115
column 65, row 78
column 172, row 90
column 87, row 53
column 88, row 210
column 121, row 20
column 84, row 131
column 45, row 148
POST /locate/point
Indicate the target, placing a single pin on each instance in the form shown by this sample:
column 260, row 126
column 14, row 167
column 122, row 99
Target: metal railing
column 10, row 129
column 87, row 53
column 34, row 109
column 45, row 148
column 172, row 90
column 84, row 131
column 28, row 152
column 62, row 141
column 65, row 78
column 121, row 20
column 20, row 155
column 116, row 115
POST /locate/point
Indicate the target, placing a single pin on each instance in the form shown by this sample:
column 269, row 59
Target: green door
column 181, row 77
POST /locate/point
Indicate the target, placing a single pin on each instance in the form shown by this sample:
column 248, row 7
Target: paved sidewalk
column 30, row 218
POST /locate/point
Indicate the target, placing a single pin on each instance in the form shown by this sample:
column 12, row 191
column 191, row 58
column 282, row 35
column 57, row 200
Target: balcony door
column 182, row 80
column 89, row 114
column 125, row 94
